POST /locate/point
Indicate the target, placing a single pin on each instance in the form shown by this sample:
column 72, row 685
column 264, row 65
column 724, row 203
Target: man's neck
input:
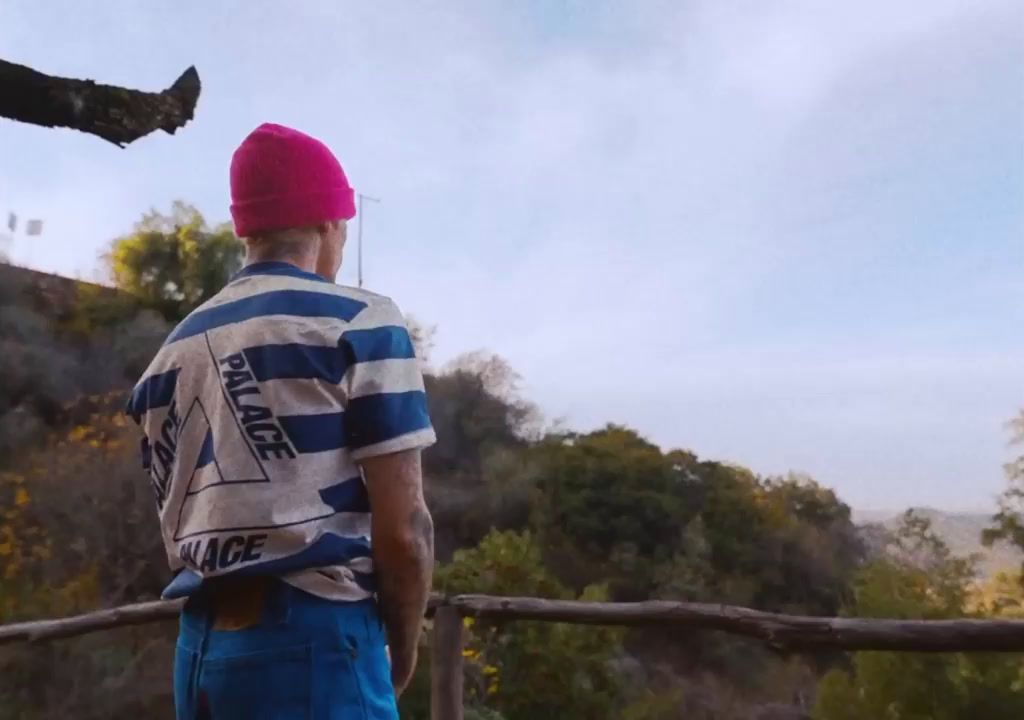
column 302, row 263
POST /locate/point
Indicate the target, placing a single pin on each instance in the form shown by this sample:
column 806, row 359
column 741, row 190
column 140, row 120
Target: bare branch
column 785, row 632
column 137, row 614
column 118, row 115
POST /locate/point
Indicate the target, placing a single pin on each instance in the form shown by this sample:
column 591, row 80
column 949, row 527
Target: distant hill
column 961, row 531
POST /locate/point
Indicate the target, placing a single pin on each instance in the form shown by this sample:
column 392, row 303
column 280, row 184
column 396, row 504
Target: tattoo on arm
column 403, row 547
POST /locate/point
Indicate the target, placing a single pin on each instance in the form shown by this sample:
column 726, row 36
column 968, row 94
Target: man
column 276, row 417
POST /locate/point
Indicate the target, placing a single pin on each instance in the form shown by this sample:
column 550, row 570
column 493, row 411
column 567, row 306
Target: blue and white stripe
column 257, row 410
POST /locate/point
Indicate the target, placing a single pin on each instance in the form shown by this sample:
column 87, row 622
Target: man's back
column 256, row 411
column 276, row 416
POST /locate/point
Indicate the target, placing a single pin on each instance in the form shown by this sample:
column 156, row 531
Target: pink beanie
column 282, row 178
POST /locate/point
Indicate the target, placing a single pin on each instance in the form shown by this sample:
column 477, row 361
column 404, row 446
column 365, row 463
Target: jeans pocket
column 273, row 684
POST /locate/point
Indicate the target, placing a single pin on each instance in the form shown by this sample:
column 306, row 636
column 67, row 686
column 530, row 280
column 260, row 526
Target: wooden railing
column 784, row 632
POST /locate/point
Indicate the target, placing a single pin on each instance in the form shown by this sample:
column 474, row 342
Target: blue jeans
column 309, row 658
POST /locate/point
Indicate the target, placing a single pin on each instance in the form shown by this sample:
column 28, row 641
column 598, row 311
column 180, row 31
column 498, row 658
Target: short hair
column 282, row 244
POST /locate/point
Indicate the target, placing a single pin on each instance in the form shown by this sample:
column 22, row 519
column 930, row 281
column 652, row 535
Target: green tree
column 476, row 409
column 1008, row 523
column 812, row 547
column 478, row 475
column 610, row 505
column 173, row 263
column 919, row 578
column 735, row 525
column 528, row 670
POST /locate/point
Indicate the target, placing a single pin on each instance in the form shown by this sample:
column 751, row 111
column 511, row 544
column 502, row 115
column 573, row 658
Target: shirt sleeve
column 386, row 408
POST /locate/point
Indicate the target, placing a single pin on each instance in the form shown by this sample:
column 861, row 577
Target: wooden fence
column 783, row 632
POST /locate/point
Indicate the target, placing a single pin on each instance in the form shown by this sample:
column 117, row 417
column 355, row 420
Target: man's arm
column 403, row 553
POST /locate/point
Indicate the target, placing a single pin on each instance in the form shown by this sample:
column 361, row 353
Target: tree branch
column 137, row 614
column 785, row 632
column 118, row 115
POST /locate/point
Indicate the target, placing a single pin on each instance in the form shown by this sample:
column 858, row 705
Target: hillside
column 599, row 515
column 63, row 341
column 961, row 531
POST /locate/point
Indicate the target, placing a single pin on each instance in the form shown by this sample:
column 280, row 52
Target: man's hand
column 403, row 554
column 401, row 675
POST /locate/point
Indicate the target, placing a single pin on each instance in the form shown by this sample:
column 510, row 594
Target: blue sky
column 783, row 234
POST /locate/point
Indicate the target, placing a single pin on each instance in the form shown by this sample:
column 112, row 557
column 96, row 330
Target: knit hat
column 282, row 178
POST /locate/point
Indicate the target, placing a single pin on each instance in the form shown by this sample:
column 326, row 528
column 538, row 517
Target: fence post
column 446, row 665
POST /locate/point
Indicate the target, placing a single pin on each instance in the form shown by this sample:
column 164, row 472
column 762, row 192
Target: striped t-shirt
column 256, row 412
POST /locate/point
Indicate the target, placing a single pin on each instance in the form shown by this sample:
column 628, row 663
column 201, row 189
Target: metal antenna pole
column 359, row 237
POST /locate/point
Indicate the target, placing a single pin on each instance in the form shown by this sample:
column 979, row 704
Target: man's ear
column 325, row 230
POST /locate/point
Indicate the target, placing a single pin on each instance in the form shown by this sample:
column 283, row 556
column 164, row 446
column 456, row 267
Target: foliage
column 61, row 340
column 612, row 506
column 78, row 523
column 1008, row 523
column 482, row 712
column 475, row 407
column 422, row 337
column 810, row 550
column 517, row 512
column 1001, row 596
column 173, row 263
column 479, row 474
column 655, row 706
column 414, row 704
column 608, row 486
column 78, row 531
column 919, row 578
column 528, row 670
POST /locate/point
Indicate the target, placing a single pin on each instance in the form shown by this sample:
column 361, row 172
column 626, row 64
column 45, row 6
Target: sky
column 782, row 234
